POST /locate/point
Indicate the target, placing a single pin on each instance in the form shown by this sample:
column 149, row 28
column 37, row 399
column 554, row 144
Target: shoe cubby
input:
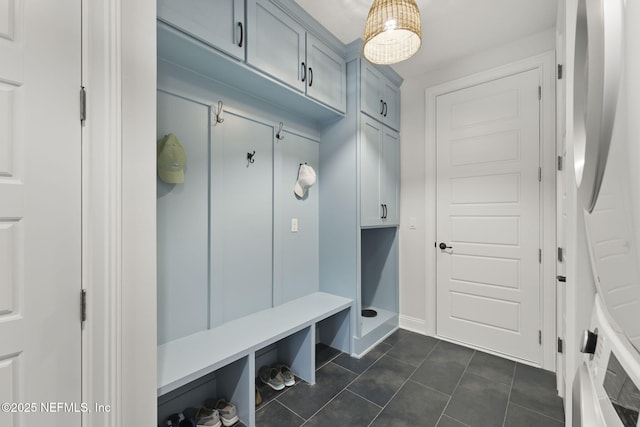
column 232, row 382
column 335, row 331
column 296, row 351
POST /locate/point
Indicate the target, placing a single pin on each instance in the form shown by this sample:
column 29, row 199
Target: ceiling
column 451, row 29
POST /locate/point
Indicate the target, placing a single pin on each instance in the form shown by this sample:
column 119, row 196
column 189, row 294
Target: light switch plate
column 412, row 223
column 294, row 225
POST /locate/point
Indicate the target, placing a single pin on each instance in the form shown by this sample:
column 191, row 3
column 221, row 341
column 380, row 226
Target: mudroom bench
column 224, row 361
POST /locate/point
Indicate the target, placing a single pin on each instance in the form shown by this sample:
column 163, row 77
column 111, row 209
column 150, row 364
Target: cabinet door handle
column 386, row 212
column 241, row 34
column 385, row 109
column 304, row 72
column 381, row 106
column 310, row 76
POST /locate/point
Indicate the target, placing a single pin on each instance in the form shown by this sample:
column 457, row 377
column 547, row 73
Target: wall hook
column 219, row 118
column 279, row 135
column 250, row 156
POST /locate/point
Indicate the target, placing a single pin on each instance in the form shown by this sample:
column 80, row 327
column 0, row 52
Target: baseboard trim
column 413, row 324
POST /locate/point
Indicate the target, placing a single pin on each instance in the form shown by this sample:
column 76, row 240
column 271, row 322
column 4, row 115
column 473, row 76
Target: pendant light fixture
column 393, row 32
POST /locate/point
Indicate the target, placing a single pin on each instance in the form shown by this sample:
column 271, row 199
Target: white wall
column 413, row 245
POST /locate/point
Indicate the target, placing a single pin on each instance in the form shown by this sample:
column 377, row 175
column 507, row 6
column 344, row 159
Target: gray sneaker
column 287, row 375
column 204, row 417
column 271, row 377
column 227, row 411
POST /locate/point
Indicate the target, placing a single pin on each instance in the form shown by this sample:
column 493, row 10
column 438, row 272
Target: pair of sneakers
column 226, row 410
column 214, row 414
column 277, row 376
column 195, row 417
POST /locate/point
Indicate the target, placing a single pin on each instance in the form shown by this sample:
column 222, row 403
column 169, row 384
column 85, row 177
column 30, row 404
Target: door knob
column 444, row 246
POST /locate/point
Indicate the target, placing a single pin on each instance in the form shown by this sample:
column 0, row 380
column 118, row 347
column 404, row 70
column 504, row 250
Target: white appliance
column 607, row 154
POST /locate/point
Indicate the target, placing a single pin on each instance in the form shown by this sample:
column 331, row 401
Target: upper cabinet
column 279, row 53
column 218, row 23
column 277, row 44
column 326, row 75
column 281, row 47
column 379, row 97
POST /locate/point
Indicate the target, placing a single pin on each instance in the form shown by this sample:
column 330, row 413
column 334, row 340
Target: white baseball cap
column 306, row 178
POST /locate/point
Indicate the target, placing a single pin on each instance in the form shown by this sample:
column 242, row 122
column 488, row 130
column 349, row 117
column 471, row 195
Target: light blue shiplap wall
column 182, row 222
column 187, row 300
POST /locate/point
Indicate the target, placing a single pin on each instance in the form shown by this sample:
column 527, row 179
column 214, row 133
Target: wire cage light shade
column 393, row 32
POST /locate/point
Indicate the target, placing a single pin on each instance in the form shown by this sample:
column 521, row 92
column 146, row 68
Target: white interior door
column 40, row 211
column 488, row 211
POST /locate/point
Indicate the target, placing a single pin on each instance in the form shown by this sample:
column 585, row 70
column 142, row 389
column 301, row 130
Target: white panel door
column 488, row 151
column 40, row 210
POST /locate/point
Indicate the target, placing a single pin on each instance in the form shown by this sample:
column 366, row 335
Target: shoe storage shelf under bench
column 291, row 326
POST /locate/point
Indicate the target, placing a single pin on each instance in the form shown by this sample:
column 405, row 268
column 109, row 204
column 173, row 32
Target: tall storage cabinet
column 359, row 165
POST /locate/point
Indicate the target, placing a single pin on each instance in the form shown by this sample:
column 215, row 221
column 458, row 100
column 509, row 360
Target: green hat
column 171, row 160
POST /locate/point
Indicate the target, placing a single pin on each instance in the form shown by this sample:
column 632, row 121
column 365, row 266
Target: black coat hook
column 250, row 156
column 279, row 135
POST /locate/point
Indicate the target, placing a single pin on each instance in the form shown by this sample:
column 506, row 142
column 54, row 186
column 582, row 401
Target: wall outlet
column 294, row 225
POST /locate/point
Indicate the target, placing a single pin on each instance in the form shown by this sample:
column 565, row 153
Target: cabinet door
column 241, row 219
column 371, row 83
column 391, row 97
column 219, row 23
column 390, row 176
column 371, row 132
column 277, row 44
column 327, row 75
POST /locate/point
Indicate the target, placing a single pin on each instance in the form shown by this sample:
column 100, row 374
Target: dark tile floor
column 416, row 381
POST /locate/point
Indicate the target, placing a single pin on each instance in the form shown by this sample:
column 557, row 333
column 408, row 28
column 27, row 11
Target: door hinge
column 560, row 163
column 540, row 256
column 560, row 255
column 83, row 104
column 83, row 305
column 539, row 174
column 560, row 345
column 560, row 70
column 540, row 337
column 539, row 92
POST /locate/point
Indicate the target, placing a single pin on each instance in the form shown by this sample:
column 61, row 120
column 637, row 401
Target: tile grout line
column 513, row 380
column 345, row 387
column 454, row 390
column 290, row 410
column 405, row 382
column 537, row 412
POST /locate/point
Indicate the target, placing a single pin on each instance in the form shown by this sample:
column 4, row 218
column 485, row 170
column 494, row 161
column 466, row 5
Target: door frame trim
column 119, row 342
column 545, row 64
